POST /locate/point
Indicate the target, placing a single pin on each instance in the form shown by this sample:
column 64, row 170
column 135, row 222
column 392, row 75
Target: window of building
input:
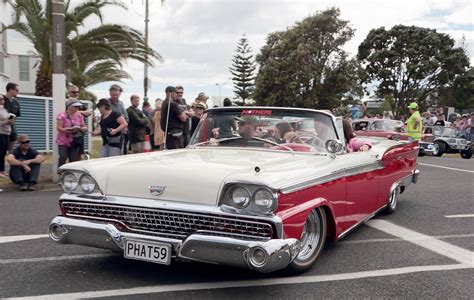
column 24, row 63
column 2, row 62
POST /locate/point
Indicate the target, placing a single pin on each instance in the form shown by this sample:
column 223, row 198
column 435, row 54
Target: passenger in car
column 286, row 134
column 354, row 144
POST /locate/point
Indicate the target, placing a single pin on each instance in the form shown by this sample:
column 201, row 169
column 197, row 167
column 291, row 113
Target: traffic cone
column 147, row 147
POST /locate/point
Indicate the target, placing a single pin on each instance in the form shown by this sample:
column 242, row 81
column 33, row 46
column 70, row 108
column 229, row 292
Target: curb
column 40, row 186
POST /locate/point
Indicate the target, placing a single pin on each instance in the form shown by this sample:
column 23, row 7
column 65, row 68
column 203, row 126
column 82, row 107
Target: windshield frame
column 297, row 112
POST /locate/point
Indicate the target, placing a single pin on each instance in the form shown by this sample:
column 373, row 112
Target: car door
column 362, row 185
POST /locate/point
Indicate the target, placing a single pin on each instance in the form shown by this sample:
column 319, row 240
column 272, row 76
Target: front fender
column 294, row 218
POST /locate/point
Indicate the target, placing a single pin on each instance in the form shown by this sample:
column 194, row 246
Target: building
column 18, row 61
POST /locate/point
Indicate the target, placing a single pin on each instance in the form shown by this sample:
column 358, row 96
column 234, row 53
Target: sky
column 198, row 38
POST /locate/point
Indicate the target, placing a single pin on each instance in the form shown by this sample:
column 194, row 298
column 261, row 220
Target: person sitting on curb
column 25, row 163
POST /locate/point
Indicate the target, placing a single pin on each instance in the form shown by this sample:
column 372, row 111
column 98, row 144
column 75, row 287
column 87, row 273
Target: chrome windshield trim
column 345, row 172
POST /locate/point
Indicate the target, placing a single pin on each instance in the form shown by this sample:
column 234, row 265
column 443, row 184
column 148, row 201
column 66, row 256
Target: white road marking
column 454, row 252
column 448, row 168
column 461, row 216
column 54, row 258
column 17, row 238
column 250, row 283
column 452, row 236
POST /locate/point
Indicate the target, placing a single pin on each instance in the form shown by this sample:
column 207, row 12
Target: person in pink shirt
column 354, row 144
column 70, row 127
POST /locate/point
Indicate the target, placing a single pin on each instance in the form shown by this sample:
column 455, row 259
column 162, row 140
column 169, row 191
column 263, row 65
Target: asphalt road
column 423, row 250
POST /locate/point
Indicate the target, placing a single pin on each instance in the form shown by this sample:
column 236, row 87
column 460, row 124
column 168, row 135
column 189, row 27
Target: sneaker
column 31, row 187
column 23, row 188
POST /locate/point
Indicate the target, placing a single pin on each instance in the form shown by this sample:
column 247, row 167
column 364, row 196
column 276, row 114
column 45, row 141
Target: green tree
column 88, row 51
column 305, row 66
column 410, row 63
column 242, row 70
column 461, row 94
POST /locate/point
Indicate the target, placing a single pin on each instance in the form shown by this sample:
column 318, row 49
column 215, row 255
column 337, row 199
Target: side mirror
column 333, row 147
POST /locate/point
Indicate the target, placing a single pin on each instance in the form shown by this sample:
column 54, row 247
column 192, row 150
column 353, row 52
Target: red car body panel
column 348, row 200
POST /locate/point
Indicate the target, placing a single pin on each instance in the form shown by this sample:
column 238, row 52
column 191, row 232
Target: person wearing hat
column 414, row 124
column 202, row 97
column 25, row 163
column 172, row 119
column 199, row 109
column 71, row 128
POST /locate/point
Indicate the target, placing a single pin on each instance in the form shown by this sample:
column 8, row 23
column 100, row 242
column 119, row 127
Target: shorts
column 13, row 136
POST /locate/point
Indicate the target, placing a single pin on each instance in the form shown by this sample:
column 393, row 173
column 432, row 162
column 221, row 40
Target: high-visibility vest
column 412, row 132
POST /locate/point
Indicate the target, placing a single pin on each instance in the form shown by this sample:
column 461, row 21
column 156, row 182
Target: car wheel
column 467, row 154
column 438, row 148
column 393, row 201
column 312, row 241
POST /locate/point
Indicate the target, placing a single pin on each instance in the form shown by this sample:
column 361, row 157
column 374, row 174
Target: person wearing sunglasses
column 25, row 163
column 12, row 106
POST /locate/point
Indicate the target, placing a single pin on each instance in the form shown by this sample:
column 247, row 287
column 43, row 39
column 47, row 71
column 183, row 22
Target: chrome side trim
column 345, row 172
column 347, row 231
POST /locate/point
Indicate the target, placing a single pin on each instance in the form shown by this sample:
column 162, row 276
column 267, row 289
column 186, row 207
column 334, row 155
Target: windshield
column 444, row 131
column 387, row 125
column 275, row 129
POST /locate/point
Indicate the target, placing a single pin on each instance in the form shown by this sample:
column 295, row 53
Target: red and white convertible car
column 247, row 200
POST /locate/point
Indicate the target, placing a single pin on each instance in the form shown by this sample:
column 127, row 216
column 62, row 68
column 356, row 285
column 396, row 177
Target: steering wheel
column 312, row 140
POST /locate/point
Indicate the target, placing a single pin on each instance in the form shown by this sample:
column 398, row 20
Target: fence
column 36, row 120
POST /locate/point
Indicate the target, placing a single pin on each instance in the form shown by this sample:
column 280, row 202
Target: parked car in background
column 243, row 201
column 384, row 128
column 446, row 140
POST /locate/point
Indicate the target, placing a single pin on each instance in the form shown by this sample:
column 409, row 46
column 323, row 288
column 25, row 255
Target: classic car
column 446, row 140
column 243, row 201
column 390, row 129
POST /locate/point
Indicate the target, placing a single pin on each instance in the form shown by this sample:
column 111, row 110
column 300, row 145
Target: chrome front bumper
column 197, row 247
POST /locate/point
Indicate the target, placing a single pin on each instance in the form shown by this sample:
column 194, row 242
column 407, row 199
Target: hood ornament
column 156, row 190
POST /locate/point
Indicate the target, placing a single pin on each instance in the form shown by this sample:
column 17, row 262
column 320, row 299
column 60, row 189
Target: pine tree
column 242, row 70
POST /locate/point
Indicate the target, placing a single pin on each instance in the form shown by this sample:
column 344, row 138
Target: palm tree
column 92, row 56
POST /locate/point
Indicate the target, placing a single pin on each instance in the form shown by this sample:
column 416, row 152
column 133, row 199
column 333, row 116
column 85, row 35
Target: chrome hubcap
column 310, row 236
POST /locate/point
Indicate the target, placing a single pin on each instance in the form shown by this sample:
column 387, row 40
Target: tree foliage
column 410, row 63
column 461, row 94
column 92, row 56
column 242, row 70
column 305, row 66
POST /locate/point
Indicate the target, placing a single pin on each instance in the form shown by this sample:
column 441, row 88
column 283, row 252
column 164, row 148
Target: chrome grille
column 168, row 223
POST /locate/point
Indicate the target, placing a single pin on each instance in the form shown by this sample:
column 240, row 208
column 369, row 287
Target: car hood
column 198, row 175
column 192, row 175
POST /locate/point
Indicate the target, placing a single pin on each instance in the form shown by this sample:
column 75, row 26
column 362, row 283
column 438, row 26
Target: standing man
column 137, row 125
column 117, row 106
column 189, row 112
column 172, row 125
column 414, row 123
column 12, row 106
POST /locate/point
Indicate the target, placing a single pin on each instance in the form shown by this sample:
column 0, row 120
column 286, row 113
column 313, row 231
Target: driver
column 247, row 131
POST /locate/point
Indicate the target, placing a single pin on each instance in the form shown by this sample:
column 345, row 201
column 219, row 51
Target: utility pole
column 59, row 78
column 145, row 81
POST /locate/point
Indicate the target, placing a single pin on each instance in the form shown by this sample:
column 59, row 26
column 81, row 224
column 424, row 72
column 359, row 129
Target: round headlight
column 87, row 184
column 263, row 199
column 240, row 197
column 69, row 182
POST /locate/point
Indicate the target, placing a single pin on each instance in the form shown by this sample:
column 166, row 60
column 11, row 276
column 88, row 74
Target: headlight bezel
column 79, row 176
column 252, row 207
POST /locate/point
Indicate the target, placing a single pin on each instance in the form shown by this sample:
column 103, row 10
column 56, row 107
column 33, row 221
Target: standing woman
column 112, row 125
column 71, row 129
column 159, row 133
column 5, row 131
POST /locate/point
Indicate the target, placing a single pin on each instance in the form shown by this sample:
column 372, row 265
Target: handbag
column 114, row 141
column 77, row 138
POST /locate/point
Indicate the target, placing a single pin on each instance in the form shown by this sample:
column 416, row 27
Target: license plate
column 147, row 251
